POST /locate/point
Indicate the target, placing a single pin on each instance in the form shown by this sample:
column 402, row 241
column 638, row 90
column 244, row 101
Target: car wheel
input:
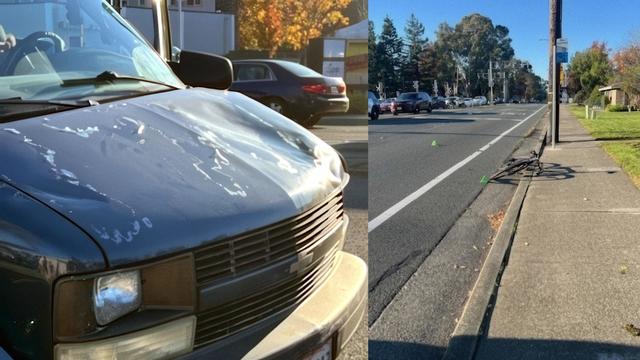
column 275, row 104
column 417, row 109
column 310, row 121
column 429, row 109
column 374, row 114
column 395, row 113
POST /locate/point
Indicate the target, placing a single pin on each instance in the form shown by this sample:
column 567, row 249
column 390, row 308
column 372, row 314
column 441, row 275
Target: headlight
column 116, row 295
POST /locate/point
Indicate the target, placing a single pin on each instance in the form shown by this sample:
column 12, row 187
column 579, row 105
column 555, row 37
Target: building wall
column 203, row 31
column 187, row 5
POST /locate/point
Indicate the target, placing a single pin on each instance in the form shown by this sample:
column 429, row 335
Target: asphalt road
column 427, row 236
column 349, row 136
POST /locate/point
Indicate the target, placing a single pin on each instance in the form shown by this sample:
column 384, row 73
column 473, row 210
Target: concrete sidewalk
column 572, row 281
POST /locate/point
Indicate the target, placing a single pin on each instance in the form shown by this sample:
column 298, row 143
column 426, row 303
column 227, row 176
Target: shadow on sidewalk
column 507, row 349
column 551, row 172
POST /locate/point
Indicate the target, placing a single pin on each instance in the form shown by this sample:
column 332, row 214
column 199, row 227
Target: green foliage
column 589, row 70
column 458, row 58
column 617, row 108
column 415, row 42
column 389, row 56
column 373, row 63
column 596, row 98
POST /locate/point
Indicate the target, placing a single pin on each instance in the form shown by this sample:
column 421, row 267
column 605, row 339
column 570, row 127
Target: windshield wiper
column 110, row 77
column 65, row 103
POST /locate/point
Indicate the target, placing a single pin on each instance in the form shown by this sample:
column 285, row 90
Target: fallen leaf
column 632, row 329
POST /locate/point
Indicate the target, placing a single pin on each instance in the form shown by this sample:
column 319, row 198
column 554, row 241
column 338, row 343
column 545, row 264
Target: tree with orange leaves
column 626, row 64
column 273, row 24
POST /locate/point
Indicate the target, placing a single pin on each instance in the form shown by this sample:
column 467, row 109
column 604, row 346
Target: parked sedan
column 291, row 89
column 387, row 105
column 438, row 102
column 413, row 102
column 468, row 102
column 480, row 100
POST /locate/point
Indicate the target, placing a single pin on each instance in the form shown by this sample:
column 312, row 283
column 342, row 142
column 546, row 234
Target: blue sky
column 612, row 21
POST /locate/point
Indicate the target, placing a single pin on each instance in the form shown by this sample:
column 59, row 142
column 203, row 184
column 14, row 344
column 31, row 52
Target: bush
column 617, row 108
column 596, row 98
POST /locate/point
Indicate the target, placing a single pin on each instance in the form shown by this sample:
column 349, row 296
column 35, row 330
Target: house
column 615, row 94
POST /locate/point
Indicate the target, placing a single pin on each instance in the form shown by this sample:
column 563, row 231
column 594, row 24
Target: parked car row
column 414, row 102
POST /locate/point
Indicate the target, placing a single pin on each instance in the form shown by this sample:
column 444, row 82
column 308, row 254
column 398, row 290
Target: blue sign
column 562, row 57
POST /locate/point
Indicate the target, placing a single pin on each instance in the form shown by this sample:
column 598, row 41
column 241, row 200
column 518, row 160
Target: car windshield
column 57, row 42
column 298, row 70
column 408, row 96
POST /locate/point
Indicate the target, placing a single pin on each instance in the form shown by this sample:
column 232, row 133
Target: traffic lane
column 400, row 245
column 407, row 142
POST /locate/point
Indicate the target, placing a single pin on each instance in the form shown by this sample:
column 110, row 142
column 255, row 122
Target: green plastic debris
column 484, row 180
column 434, row 143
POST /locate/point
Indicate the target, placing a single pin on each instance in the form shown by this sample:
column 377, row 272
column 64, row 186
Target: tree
column 309, row 19
column 373, row 64
column 415, row 43
column 261, row 24
column 626, row 63
column 273, row 24
column 389, row 55
column 476, row 41
column 589, row 69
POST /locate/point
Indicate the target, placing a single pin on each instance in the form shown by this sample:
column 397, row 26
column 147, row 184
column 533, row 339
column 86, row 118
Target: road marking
column 387, row 214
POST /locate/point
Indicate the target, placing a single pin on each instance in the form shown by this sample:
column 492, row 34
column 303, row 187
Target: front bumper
column 332, row 314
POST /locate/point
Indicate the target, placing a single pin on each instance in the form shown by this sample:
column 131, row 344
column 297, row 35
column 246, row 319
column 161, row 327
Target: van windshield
column 46, row 46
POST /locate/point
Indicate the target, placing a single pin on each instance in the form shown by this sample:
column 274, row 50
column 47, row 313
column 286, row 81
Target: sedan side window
column 253, row 73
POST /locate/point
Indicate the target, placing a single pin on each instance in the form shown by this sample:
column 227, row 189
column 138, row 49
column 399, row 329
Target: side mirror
column 204, row 70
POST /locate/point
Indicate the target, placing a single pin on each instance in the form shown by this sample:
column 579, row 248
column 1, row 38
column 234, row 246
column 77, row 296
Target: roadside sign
column 562, row 57
column 416, row 85
column 562, row 45
column 562, row 50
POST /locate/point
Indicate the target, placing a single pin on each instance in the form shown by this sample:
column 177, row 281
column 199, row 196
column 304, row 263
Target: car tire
column 375, row 114
column 417, row 109
column 395, row 113
column 429, row 109
column 310, row 121
column 275, row 104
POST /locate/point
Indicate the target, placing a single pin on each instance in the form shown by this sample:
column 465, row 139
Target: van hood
column 162, row 173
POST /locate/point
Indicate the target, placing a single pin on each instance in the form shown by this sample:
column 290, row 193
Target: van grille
column 268, row 245
column 257, row 250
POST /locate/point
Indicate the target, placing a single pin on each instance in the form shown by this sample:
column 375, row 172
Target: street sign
column 562, row 57
column 562, row 50
column 562, row 45
column 416, row 85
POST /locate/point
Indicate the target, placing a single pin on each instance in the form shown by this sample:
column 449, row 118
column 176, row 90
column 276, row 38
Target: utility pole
column 490, row 81
column 505, row 89
column 555, row 32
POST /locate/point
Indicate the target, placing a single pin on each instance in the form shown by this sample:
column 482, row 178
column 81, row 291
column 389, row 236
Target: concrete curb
column 464, row 339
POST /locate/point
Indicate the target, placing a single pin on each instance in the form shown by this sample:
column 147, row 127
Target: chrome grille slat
column 258, row 249
column 211, row 328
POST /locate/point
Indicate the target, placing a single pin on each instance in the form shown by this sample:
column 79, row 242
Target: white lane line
column 387, row 214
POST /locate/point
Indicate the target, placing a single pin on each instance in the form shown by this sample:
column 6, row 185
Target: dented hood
column 162, row 173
